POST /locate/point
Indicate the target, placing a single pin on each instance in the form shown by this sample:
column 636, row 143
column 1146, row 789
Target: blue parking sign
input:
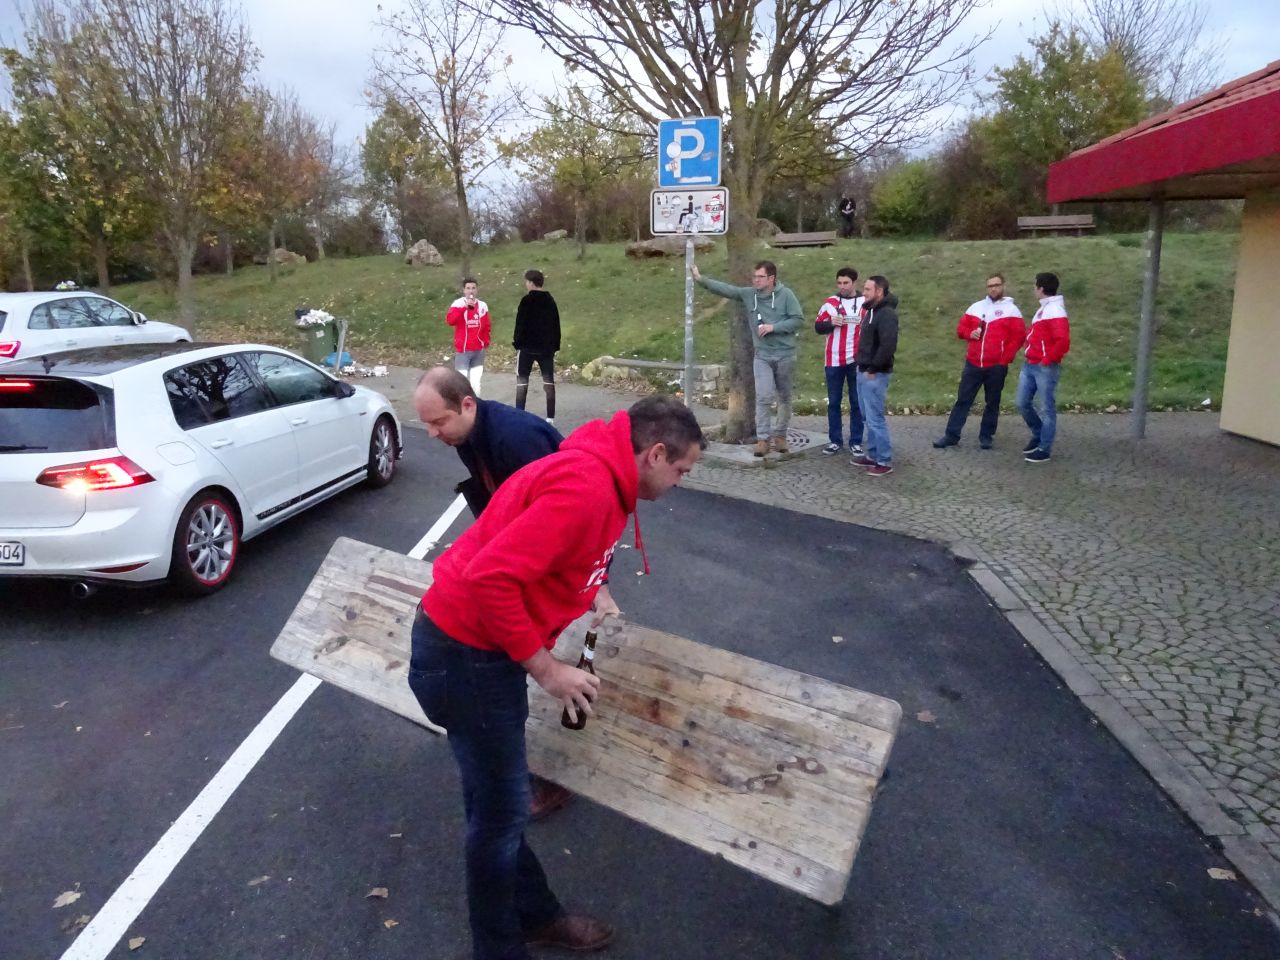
column 689, row 152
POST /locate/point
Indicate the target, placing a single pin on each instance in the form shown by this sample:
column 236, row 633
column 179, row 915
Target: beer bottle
column 585, row 662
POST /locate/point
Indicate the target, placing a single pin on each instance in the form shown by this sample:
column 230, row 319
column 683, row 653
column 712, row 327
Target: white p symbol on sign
column 677, row 150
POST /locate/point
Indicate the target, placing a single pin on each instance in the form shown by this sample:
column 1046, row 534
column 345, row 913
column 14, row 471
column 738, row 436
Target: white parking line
column 112, row 922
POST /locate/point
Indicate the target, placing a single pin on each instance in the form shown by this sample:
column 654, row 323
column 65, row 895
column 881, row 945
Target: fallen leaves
column 59, row 706
column 256, row 881
column 67, row 898
column 75, row 924
column 390, row 923
column 395, row 836
column 837, row 639
column 1218, row 873
column 926, row 716
column 136, row 942
column 378, row 892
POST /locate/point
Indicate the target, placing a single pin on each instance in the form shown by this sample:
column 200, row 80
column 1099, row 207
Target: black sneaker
column 985, row 443
column 1032, row 446
column 1037, row 456
column 855, row 449
column 945, row 442
column 831, row 449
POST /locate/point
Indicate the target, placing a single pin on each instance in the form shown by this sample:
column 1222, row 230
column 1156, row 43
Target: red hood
column 611, row 444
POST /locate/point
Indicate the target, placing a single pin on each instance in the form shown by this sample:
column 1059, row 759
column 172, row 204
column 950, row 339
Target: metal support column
column 688, row 322
column 1146, row 323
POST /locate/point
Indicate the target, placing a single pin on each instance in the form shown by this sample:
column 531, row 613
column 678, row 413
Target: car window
column 55, row 416
column 292, row 381
column 110, row 313
column 72, row 312
column 3, row 316
column 213, row 390
column 41, row 318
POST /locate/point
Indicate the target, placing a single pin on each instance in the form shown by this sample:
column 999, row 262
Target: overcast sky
column 322, row 48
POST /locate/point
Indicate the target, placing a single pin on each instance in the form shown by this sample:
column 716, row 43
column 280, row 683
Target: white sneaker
column 831, row 449
column 856, row 449
column 551, row 420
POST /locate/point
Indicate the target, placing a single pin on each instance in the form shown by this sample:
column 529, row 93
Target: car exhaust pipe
column 83, row 589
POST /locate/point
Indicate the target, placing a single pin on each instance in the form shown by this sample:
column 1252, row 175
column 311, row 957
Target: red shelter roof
column 1221, row 145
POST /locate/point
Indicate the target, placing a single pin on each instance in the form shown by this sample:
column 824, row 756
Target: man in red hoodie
column 469, row 317
column 1047, row 343
column 501, row 594
column 994, row 330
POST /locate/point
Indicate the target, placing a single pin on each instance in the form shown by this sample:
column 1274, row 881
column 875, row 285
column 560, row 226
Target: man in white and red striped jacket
column 995, row 331
column 838, row 319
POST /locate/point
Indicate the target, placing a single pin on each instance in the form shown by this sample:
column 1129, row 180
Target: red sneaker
column 862, row 460
column 879, row 470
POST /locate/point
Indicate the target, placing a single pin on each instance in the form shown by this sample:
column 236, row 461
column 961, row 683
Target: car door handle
column 298, row 421
column 219, row 444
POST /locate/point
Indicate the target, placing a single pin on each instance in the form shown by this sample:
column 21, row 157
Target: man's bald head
column 446, row 404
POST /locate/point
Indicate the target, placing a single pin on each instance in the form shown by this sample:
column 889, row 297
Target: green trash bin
column 318, row 340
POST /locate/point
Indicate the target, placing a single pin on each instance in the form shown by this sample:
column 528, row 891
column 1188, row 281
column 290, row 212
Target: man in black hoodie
column 537, row 338
column 877, row 343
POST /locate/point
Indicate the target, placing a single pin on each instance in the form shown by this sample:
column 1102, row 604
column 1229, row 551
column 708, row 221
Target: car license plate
column 12, row 554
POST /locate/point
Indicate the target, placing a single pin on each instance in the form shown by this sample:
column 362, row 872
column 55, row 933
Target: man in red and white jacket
column 469, row 317
column 1047, row 343
column 995, row 332
column 838, row 319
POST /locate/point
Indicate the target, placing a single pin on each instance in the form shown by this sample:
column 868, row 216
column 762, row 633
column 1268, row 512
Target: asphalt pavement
column 1010, row 825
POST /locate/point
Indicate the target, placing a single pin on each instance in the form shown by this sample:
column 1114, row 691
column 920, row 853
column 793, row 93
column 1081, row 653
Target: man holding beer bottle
column 994, row 330
column 501, row 594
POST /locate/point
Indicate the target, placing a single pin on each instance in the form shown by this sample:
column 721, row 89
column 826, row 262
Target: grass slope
column 613, row 305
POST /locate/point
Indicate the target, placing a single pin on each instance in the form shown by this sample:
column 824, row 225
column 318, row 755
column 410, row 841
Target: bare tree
column 866, row 73
column 173, row 78
column 442, row 62
column 1161, row 41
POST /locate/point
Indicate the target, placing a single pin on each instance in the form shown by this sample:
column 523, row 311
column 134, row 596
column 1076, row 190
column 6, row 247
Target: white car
column 148, row 462
column 32, row 324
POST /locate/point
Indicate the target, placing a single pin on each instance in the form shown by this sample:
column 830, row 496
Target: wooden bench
column 1077, row 222
column 771, row 769
column 822, row 238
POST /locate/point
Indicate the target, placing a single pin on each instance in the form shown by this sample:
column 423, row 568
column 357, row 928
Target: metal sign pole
column 688, row 321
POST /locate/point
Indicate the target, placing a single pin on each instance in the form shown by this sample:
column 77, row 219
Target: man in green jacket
column 773, row 317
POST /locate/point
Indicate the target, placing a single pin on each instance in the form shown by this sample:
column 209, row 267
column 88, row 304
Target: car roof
column 103, row 361
column 8, row 300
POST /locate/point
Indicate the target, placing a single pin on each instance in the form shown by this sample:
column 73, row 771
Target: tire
column 206, row 544
column 382, row 453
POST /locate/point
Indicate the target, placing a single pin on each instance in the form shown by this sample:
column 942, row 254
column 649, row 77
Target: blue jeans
column 871, row 392
column 837, row 377
column 481, row 698
column 1042, row 379
column 774, row 377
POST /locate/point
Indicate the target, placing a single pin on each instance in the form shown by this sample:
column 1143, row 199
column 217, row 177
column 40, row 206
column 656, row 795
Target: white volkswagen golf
column 142, row 463
column 50, row 322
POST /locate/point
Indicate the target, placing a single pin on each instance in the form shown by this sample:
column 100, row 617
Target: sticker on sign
column 688, row 211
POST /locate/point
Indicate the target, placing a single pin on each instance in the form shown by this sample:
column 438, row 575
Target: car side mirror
column 139, row 318
column 342, row 390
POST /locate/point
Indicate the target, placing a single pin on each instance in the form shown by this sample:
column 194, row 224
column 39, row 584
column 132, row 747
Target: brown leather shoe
column 572, row 932
column 780, row 445
column 761, row 448
column 548, row 797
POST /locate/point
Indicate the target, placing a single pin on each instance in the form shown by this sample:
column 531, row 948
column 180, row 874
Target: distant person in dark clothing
column 848, row 207
column 537, row 338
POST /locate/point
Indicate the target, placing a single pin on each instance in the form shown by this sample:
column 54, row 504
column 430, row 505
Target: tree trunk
column 26, row 265
column 464, row 219
column 184, row 253
column 228, row 257
column 800, row 214
column 317, row 234
column 271, row 251
column 580, row 225
column 100, row 260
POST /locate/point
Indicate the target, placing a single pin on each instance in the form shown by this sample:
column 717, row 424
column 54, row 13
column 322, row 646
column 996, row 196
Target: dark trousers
column 839, row 381
column 546, row 361
column 991, row 380
column 481, row 698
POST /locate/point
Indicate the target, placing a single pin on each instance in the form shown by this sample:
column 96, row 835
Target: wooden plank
column 820, row 238
column 771, row 769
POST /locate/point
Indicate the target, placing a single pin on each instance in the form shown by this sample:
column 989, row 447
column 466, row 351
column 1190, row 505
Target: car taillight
column 9, row 348
column 16, row 386
column 115, row 473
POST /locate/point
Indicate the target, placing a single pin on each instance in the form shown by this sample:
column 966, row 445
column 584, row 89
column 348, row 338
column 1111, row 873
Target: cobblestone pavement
column 1154, row 564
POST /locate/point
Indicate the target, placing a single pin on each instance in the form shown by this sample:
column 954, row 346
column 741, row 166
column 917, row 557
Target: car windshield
column 54, row 415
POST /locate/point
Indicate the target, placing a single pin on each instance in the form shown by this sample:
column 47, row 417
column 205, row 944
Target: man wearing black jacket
column 877, row 343
column 493, row 442
column 537, row 338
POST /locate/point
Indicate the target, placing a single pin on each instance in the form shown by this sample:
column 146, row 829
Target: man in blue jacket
column 493, row 441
